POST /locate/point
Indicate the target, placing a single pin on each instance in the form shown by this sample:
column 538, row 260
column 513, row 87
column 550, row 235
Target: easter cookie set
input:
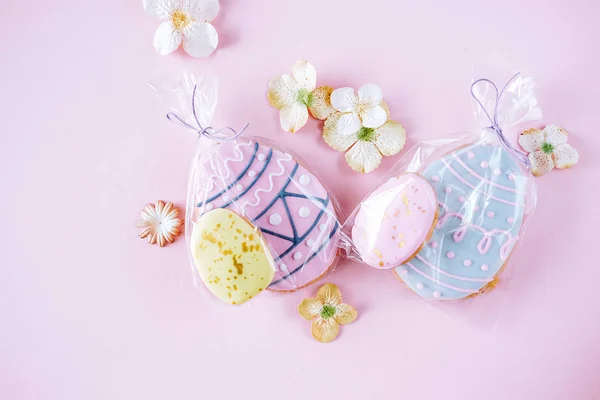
column 257, row 218
column 450, row 215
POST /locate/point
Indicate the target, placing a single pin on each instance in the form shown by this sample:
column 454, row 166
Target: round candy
column 395, row 221
column 280, row 197
column 231, row 257
column 479, row 224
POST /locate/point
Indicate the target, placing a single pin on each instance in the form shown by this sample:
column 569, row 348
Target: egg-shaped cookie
column 279, row 196
column 231, row 256
column 395, row 221
column 481, row 191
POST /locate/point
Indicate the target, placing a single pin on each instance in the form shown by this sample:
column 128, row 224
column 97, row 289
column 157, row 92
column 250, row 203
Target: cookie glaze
column 481, row 197
column 394, row 221
column 285, row 201
column 231, row 257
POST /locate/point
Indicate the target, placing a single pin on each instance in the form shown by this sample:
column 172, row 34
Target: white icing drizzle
column 271, row 185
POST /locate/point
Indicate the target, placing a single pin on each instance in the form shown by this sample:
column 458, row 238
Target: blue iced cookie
column 481, row 194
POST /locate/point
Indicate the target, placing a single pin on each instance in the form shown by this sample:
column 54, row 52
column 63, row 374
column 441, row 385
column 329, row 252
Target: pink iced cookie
column 279, row 196
column 395, row 221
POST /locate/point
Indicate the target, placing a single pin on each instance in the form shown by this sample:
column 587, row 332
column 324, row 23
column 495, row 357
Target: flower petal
column 325, row 330
column 160, row 9
column 390, row 138
column 321, row 107
column 282, row 91
column 329, row 294
column 541, row 163
column 334, row 138
column 293, row 117
column 345, row 314
column 200, row 39
column 344, row 99
column 385, row 107
column 310, row 308
column 202, row 10
column 531, row 140
column 166, row 39
column 373, row 117
column 555, row 135
column 565, row 156
column 305, row 74
column 349, row 123
column 370, row 95
column 363, row 157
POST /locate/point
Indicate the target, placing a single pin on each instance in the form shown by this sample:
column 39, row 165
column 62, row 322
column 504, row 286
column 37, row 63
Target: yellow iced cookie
column 231, row 256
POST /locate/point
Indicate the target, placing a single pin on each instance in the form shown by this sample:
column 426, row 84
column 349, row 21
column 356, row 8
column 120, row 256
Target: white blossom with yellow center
column 186, row 21
column 293, row 95
column 362, row 110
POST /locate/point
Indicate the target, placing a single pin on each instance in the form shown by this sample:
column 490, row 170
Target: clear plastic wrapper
column 257, row 218
column 449, row 217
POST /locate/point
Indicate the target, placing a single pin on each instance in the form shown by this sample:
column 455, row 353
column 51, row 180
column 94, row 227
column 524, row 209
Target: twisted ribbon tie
column 226, row 133
column 494, row 120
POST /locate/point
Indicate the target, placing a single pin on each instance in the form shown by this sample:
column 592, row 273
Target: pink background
column 89, row 311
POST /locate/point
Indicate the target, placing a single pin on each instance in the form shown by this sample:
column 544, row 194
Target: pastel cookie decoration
column 287, row 203
column 395, row 221
column 230, row 256
column 481, row 198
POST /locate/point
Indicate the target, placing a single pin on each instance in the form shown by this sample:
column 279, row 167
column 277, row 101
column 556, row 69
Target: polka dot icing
column 310, row 243
column 322, row 227
column 497, row 171
column 461, row 199
column 435, row 178
column 448, row 189
column 239, row 188
column 304, row 180
column 275, row 219
column 272, row 183
column 297, row 255
column 304, row 212
column 481, row 231
column 209, row 207
column 402, row 271
column 436, row 294
column 471, row 155
column 419, row 285
column 450, row 254
column 283, row 267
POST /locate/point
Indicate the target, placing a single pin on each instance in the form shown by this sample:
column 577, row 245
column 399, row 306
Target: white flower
column 359, row 111
column 293, row 95
column 367, row 145
column 547, row 149
column 187, row 21
column 160, row 223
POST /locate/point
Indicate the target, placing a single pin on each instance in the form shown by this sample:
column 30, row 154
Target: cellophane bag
column 450, row 216
column 257, row 218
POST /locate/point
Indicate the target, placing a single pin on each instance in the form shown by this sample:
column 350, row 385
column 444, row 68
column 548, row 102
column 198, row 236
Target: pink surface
column 89, row 311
